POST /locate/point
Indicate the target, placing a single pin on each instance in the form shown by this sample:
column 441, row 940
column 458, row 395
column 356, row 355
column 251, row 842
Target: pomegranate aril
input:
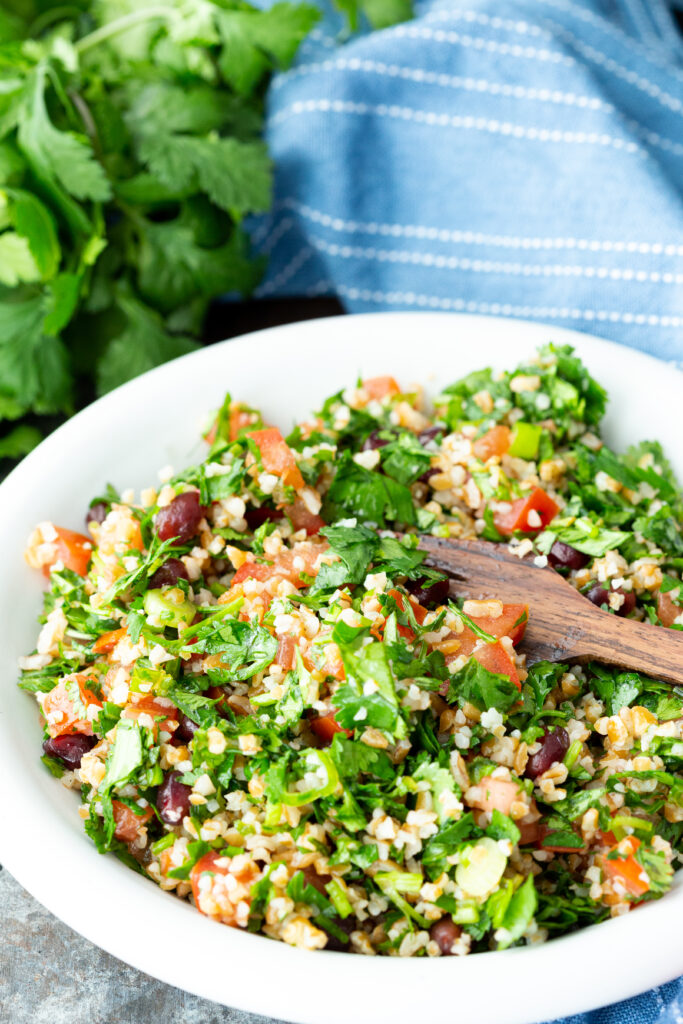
column 168, row 574
column 600, row 596
column 554, row 746
column 373, row 440
column 173, row 799
column 256, row 517
column 564, row 556
column 186, row 728
column 69, row 749
column 430, row 434
column 429, row 594
column 444, row 933
column 97, row 513
column 181, row 518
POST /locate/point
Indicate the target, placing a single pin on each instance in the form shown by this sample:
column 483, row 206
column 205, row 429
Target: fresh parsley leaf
column 474, row 684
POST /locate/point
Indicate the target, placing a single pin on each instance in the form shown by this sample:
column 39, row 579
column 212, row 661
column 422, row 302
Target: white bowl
column 125, row 438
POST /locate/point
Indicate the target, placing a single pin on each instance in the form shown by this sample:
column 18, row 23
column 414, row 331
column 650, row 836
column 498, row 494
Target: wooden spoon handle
column 653, row 650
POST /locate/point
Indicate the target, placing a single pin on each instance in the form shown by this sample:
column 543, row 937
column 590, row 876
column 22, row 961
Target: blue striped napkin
column 523, row 159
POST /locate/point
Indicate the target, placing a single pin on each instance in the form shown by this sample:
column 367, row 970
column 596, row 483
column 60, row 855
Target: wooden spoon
column 563, row 624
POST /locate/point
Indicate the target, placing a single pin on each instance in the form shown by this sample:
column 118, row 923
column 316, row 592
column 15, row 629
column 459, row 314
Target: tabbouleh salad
column 270, row 705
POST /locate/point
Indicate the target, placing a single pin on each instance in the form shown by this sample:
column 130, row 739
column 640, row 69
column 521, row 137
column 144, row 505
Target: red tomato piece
column 625, row 869
column 253, row 571
column 277, row 456
column 419, row 612
column 156, row 708
column 326, row 726
column 206, row 863
column 667, row 611
column 515, row 515
column 302, row 519
column 333, row 666
column 66, row 716
column 73, row 550
column 286, row 652
column 290, row 564
column 496, row 794
column 511, row 622
column 496, row 441
column 128, row 823
column 377, row 388
column 496, row 659
column 106, row 643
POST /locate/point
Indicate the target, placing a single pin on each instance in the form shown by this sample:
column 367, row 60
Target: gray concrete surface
column 50, row 975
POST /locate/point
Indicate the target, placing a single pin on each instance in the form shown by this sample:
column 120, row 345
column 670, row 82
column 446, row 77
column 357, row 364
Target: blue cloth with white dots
column 523, row 159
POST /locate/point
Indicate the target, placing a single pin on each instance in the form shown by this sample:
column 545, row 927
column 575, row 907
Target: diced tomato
column 156, row 708
column 128, row 823
column 667, row 610
column 286, row 652
column 302, row 519
column 333, row 665
column 418, row 611
column 511, row 622
column 74, row 550
column 135, row 536
column 377, row 388
column 495, row 795
column 106, row 643
column 277, row 456
column 206, row 863
column 253, row 571
column 625, row 869
column 64, row 715
column 212, row 896
column 515, row 515
column 290, row 564
column 496, row 441
column 496, row 659
column 326, row 726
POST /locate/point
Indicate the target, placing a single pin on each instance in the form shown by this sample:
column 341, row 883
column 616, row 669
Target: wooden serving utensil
column 563, row 624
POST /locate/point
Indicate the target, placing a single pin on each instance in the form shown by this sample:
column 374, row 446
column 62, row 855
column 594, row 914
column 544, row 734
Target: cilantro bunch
column 130, row 154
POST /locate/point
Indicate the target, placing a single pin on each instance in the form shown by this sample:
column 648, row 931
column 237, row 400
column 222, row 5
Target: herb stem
column 122, row 24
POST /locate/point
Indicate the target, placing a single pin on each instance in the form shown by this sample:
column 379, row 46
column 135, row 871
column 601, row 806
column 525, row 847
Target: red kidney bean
column 168, row 574
column 97, row 513
column 444, row 933
column 554, row 746
column 563, row 556
column 599, row 596
column 173, row 799
column 181, row 518
column 69, row 749
column 429, row 594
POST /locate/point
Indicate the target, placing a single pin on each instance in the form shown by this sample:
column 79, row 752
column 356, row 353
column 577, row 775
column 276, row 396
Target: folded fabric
column 522, row 159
